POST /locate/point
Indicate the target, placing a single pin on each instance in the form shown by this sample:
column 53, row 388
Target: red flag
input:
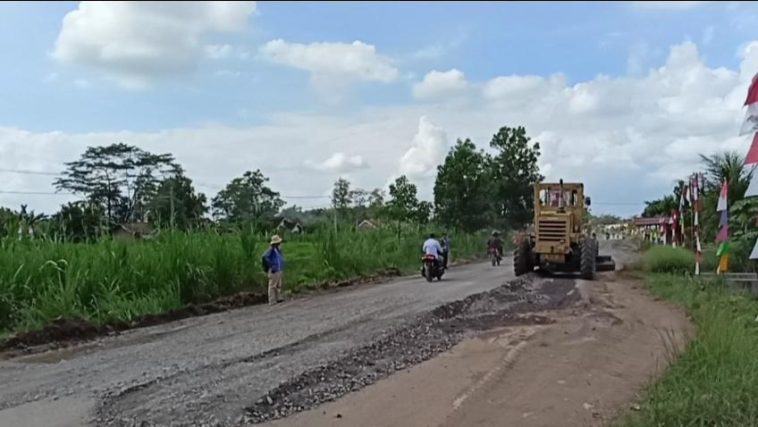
column 750, row 125
column 752, row 92
column 752, row 154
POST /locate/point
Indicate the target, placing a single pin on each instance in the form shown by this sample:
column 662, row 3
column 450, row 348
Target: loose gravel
column 425, row 337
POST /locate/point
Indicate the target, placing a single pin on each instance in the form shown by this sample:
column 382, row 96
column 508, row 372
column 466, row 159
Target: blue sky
column 223, row 87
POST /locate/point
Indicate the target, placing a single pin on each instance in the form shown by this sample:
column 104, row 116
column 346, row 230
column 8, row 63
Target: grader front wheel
column 587, row 261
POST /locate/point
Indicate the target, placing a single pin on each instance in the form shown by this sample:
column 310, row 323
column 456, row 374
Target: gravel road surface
column 207, row 370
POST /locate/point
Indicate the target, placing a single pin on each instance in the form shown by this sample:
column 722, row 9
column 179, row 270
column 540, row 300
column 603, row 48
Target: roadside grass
column 665, row 259
column 113, row 280
column 715, row 381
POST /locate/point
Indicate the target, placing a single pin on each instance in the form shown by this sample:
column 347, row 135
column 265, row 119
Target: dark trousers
column 444, row 259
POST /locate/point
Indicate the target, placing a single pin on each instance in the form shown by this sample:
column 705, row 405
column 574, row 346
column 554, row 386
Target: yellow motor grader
column 558, row 239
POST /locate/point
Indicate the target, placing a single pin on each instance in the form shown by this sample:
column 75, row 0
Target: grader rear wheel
column 522, row 258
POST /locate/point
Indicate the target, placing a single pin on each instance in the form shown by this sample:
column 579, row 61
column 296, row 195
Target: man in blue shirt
column 273, row 263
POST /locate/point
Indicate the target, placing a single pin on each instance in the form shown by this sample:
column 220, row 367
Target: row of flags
column 750, row 126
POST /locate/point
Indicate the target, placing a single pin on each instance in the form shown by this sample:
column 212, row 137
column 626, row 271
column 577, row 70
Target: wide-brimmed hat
column 275, row 240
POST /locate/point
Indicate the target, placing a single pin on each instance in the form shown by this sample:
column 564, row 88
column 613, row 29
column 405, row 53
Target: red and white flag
column 750, row 125
column 752, row 153
column 723, row 195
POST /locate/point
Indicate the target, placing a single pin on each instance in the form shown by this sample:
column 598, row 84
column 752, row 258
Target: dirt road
column 264, row 363
column 207, row 369
column 581, row 370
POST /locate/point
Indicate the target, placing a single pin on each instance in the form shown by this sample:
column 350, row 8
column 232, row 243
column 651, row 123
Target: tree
column 515, row 171
column 726, row 166
column 376, row 203
column 247, row 199
column 175, row 204
column 403, row 203
column 424, row 212
column 78, row 222
column 462, row 189
column 119, row 177
column 341, row 193
column 660, row 207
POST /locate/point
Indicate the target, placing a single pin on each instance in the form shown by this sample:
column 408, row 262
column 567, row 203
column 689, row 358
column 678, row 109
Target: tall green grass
column 715, row 382
column 119, row 280
column 665, row 259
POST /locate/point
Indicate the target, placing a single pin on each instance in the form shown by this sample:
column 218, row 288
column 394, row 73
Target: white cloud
column 636, row 133
column 333, row 66
column 135, row 43
column 440, row 85
column 428, row 149
column 219, row 51
column 339, row 163
column 668, row 5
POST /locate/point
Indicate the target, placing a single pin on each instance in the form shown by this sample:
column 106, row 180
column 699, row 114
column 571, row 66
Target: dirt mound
column 430, row 334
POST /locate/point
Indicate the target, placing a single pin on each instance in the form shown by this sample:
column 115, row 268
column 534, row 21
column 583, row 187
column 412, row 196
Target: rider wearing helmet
column 495, row 243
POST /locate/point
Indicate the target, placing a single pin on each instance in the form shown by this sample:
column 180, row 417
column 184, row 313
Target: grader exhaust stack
column 560, row 241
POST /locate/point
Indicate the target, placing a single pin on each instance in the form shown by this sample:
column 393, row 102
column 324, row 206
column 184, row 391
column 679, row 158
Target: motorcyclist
column 445, row 249
column 432, row 247
column 495, row 243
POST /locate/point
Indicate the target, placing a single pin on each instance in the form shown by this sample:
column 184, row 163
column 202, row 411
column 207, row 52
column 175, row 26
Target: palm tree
column 726, row 166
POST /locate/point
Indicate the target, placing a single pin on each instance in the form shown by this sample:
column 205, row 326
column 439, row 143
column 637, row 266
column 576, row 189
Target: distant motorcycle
column 431, row 268
column 495, row 256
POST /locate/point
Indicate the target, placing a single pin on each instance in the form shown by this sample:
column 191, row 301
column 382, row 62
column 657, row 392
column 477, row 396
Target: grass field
column 714, row 382
column 120, row 280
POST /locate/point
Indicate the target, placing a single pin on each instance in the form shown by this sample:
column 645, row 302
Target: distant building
column 367, row 224
column 289, row 225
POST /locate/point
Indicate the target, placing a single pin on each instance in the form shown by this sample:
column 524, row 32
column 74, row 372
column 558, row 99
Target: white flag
column 754, row 254
column 752, row 187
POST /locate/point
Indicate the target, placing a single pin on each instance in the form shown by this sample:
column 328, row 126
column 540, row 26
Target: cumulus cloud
column 333, row 66
column 339, row 163
column 135, row 43
column 427, row 150
column 441, row 85
column 632, row 133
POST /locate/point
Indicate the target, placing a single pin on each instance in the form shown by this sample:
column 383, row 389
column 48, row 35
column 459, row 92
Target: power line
column 29, row 172
column 38, row 193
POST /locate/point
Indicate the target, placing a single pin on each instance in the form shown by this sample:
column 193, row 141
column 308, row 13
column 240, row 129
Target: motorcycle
column 495, row 256
column 431, row 268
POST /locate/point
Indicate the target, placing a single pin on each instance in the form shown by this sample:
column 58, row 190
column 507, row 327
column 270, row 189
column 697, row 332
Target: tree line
column 120, row 183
